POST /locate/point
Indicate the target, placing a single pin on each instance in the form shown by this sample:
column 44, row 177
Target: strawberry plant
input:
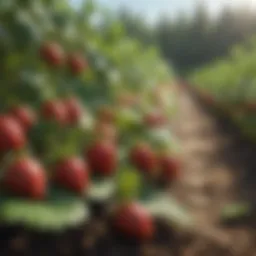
column 86, row 115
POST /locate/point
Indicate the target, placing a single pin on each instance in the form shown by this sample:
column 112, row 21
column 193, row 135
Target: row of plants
column 229, row 87
column 85, row 117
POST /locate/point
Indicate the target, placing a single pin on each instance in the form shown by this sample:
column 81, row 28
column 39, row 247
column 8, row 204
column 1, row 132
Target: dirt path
column 214, row 168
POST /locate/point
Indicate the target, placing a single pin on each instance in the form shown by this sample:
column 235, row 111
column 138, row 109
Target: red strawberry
column 143, row 157
column 52, row 53
column 169, row 168
column 26, row 177
column 73, row 174
column 74, row 110
column 77, row 63
column 54, row 111
column 25, row 115
column 134, row 221
column 12, row 135
column 102, row 157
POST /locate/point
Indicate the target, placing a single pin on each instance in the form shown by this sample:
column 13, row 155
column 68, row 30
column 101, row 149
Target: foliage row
column 230, row 86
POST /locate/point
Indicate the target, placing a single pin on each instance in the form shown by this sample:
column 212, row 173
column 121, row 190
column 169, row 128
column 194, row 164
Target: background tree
column 191, row 41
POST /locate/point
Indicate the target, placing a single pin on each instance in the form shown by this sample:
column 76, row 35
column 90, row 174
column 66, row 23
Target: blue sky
column 152, row 9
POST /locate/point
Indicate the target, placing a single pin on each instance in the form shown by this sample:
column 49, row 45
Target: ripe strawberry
column 169, row 168
column 26, row 177
column 134, row 221
column 52, row 53
column 74, row 110
column 143, row 157
column 72, row 174
column 12, row 135
column 25, row 115
column 102, row 157
column 77, row 63
column 54, row 111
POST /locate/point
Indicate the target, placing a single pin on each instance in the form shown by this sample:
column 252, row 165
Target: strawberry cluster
column 54, row 55
column 28, row 175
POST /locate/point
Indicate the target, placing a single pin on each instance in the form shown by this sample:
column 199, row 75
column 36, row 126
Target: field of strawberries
column 84, row 130
column 90, row 161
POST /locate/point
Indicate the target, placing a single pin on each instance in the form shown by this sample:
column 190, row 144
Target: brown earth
column 219, row 168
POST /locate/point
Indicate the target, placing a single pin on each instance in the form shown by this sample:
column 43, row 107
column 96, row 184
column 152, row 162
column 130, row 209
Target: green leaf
column 165, row 206
column 129, row 184
column 43, row 216
column 163, row 139
column 24, row 31
column 128, row 119
column 102, row 189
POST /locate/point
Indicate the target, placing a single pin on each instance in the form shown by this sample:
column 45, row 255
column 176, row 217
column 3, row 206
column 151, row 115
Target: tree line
column 191, row 41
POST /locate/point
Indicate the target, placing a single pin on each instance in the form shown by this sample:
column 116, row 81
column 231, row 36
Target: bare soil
column 219, row 168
